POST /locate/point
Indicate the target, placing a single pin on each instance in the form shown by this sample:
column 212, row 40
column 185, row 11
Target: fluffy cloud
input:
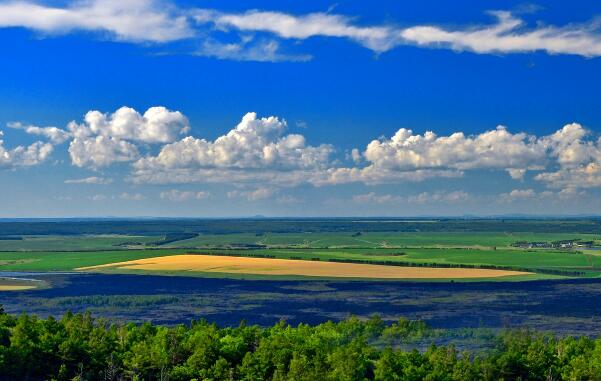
column 258, row 153
column 103, row 139
column 497, row 149
column 180, row 196
column 408, row 156
column 578, row 159
column 156, row 125
column 101, row 151
column 584, row 176
column 90, row 180
column 23, row 156
column 56, row 135
column 106, row 138
column 509, row 35
column 568, row 158
column 131, row 20
column 257, row 149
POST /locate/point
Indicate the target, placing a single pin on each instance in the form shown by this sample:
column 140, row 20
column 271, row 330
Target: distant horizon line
column 261, row 217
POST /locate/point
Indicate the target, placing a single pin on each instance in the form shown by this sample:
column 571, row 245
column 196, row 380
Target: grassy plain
column 68, row 243
column 378, row 239
column 428, row 249
column 69, row 260
column 533, row 259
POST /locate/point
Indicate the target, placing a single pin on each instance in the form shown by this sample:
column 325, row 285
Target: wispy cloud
column 259, row 35
column 252, row 195
column 287, row 26
column 421, row 198
column 510, row 35
column 181, row 196
column 249, row 49
column 90, row 180
column 55, row 134
column 130, row 20
column 98, row 197
column 132, row 196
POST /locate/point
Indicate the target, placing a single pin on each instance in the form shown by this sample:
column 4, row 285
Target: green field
column 538, row 260
column 377, row 239
column 435, row 249
column 70, row 260
column 79, row 242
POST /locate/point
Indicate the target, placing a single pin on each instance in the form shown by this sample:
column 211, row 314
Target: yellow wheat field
column 267, row 266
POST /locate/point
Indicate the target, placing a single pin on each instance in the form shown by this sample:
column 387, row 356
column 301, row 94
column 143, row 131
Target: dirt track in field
column 7, row 287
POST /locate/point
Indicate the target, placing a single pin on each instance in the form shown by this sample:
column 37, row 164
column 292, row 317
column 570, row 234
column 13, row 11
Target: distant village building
column 532, row 245
column 563, row 244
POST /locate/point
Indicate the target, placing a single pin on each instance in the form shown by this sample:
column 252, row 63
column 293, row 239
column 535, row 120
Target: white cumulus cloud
column 578, row 159
column 409, row 156
column 23, row 156
column 106, row 138
column 257, row 149
column 156, row 125
column 101, row 151
column 567, row 158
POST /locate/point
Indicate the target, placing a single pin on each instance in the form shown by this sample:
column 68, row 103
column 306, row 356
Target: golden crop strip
column 268, row 266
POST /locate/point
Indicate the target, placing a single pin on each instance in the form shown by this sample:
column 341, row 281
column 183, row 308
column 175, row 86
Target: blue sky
column 233, row 108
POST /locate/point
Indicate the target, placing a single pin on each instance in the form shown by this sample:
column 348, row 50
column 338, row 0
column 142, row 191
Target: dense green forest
column 294, row 225
column 79, row 347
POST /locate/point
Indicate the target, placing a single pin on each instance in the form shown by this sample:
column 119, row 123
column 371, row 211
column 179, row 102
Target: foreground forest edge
column 79, row 347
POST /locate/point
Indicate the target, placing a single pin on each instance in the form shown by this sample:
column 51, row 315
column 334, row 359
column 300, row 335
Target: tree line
column 80, row 347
